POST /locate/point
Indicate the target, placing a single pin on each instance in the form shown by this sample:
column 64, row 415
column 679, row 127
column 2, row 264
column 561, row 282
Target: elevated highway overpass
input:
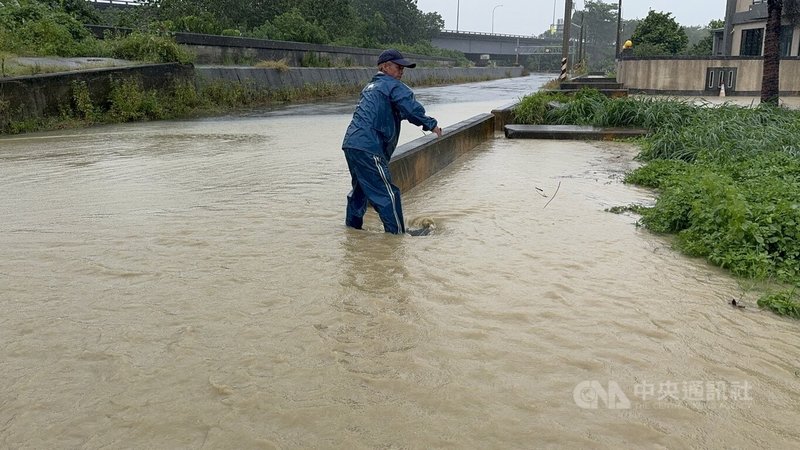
column 506, row 48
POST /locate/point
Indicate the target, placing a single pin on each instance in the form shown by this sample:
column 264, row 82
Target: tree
column 400, row 20
column 292, row 26
column 599, row 31
column 770, row 77
column 705, row 45
column 659, row 34
column 770, row 81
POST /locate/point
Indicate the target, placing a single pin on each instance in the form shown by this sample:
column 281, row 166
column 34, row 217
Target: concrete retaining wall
column 215, row 49
column 416, row 161
column 504, row 115
column 210, row 49
column 303, row 76
column 687, row 76
column 23, row 98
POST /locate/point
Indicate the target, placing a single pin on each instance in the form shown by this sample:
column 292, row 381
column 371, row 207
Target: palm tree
column 770, row 79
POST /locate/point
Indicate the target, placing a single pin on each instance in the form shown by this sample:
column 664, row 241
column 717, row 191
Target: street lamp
column 493, row 16
column 580, row 44
column 458, row 7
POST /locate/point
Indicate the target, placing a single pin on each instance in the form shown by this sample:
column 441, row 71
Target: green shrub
column 149, row 48
column 785, row 303
column 293, row 26
column 130, row 102
column 34, row 29
column 186, row 98
column 658, row 173
column 533, row 109
column 584, row 108
column 204, row 24
column 264, row 31
column 728, row 177
column 82, row 104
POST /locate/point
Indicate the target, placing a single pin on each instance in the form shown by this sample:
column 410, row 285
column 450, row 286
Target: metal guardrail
column 480, row 33
column 118, row 2
column 538, row 49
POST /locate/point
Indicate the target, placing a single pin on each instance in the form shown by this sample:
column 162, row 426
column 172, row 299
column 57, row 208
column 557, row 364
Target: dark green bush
column 130, row 102
column 150, row 48
column 533, row 109
column 35, row 29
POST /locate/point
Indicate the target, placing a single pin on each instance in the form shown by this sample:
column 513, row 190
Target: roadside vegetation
column 56, row 28
column 38, row 29
column 129, row 101
column 728, row 179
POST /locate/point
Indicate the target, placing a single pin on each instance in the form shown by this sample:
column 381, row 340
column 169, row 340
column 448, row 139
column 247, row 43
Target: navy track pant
column 372, row 184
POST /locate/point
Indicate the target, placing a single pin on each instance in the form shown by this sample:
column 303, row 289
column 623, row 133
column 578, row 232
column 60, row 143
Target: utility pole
column 580, row 44
column 619, row 26
column 565, row 45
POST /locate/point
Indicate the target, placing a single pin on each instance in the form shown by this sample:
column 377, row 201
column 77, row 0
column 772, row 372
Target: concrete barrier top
column 421, row 143
column 572, row 132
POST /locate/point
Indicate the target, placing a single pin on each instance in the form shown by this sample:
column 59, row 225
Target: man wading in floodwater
column 371, row 139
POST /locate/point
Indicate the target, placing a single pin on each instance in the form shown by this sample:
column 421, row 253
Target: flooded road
column 191, row 284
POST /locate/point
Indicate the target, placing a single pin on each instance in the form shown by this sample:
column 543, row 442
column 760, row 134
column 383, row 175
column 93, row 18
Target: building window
column 752, row 42
column 786, row 39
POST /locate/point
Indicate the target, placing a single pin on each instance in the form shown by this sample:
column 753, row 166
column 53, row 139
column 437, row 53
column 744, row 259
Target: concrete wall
column 23, row 98
column 504, row 115
column 215, row 49
column 687, row 76
column 302, row 76
column 225, row 49
column 417, row 160
column 37, row 96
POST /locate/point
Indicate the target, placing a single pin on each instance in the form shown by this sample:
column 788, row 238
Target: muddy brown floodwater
column 191, row 285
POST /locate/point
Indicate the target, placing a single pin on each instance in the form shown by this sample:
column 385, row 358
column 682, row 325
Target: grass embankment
column 728, row 179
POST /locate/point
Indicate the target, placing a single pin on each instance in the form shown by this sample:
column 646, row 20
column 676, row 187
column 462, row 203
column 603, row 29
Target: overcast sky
column 532, row 17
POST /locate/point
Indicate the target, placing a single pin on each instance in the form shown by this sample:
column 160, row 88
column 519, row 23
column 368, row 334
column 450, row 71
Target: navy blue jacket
column 375, row 127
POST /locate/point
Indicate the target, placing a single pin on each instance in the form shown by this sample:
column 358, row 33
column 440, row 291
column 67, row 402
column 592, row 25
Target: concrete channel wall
column 47, row 95
column 211, row 49
column 215, row 49
column 308, row 76
column 23, row 98
column 690, row 76
column 416, row 161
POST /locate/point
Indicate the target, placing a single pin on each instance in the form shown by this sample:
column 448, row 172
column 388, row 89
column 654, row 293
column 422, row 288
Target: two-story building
column 736, row 64
column 745, row 24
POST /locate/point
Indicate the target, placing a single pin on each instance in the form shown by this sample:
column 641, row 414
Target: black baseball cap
column 395, row 57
